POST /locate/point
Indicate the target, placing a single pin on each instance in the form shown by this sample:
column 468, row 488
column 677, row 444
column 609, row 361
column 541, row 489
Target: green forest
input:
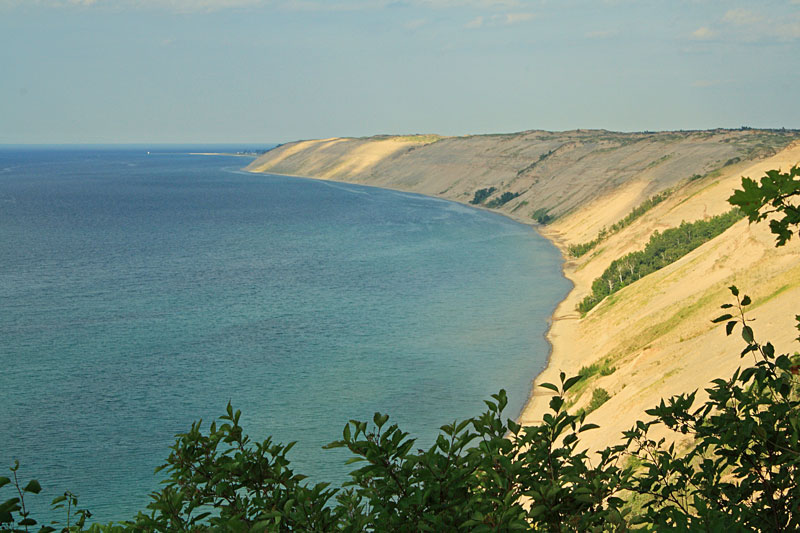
column 662, row 249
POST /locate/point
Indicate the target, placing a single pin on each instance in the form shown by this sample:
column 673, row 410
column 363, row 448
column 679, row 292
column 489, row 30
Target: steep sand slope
column 554, row 171
column 656, row 333
column 336, row 158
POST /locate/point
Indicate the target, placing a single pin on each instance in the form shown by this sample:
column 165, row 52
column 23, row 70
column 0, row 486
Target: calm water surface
column 142, row 292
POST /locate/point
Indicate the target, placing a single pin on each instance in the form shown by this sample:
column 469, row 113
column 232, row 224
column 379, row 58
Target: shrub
column 542, row 216
column 502, row 199
column 481, row 195
column 599, row 397
column 739, row 472
column 603, row 368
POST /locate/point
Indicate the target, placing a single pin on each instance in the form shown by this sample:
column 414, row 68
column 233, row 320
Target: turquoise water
column 140, row 293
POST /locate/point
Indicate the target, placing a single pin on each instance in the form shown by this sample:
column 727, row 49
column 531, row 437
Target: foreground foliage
column 776, row 191
column 735, row 467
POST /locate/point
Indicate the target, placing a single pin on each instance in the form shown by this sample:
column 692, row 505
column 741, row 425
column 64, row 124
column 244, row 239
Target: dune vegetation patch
column 577, row 250
column 662, row 250
column 587, row 375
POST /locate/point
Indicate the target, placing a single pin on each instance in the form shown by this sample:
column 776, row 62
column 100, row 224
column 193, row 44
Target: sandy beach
column 654, row 338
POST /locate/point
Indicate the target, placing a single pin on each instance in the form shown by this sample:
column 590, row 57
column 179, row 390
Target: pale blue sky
column 119, row 71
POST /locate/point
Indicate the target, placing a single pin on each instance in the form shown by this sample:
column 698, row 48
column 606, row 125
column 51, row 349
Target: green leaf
column 722, row 318
column 798, row 324
column 11, row 504
column 729, row 327
column 747, row 334
column 537, row 510
column 549, row 386
column 33, row 487
column 556, row 403
column 4, row 481
column 746, row 300
column 571, row 381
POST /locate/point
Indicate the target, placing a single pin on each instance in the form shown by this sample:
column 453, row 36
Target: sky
column 270, row 71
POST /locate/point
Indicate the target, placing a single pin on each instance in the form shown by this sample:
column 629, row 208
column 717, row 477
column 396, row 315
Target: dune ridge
column 655, row 336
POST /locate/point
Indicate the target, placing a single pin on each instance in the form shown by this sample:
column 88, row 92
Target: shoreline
column 227, row 154
column 526, row 415
column 638, row 347
column 551, row 237
column 558, row 315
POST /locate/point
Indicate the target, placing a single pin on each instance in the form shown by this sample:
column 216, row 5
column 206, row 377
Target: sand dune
column 657, row 333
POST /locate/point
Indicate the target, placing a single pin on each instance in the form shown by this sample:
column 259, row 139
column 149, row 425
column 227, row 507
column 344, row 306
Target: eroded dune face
column 559, row 172
column 655, row 334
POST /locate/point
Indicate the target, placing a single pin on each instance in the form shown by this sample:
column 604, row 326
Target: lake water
column 142, row 292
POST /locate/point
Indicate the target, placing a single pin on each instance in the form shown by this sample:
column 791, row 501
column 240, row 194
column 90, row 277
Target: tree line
column 662, row 249
column 577, row 250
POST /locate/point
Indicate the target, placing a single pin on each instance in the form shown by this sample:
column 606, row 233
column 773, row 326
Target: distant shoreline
column 640, row 346
column 549, row 237
column 228, row 154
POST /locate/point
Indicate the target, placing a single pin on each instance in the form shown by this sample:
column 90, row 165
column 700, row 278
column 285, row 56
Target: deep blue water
column 140, row 293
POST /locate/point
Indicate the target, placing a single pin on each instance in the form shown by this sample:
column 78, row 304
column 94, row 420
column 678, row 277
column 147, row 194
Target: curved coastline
column 550, row 237
column 237, row 298
column 525, row 415
column 647, row 335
